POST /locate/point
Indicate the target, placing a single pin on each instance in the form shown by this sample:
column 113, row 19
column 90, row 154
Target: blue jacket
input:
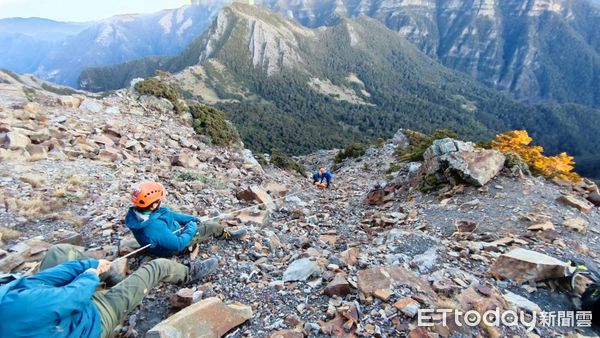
column 56, row 302
column 157, row 229
column 327, row 176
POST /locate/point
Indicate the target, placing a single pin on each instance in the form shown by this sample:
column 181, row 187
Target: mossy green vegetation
column 419, row 142
column 353, row 150
column 213, row 123
column 58, row 90
column 155, row 87
column 285, row 162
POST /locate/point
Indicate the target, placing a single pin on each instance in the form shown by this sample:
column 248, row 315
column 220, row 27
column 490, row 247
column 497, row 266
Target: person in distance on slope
column 323, row 175
column 62, row 301
column 167, row 232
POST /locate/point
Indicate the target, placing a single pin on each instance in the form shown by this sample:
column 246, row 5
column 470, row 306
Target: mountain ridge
column 111, row 41
column 509, row 45
column 297, row 79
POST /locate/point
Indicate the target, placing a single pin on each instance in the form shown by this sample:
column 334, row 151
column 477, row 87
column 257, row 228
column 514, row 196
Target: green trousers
column 116, row 303
column 205, row 231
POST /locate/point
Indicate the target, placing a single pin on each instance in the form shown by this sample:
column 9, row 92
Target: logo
column 472, row 318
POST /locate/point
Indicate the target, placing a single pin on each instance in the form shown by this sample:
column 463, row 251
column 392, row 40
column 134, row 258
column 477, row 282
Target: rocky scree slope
column 357, row 259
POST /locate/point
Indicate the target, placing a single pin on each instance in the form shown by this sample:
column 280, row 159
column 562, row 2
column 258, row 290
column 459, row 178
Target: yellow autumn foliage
column 518, row 141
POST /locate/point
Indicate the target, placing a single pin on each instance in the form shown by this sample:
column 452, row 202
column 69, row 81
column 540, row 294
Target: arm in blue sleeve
column 66, row 299
column 63, row 274
column 174, row 242
column 183, row 218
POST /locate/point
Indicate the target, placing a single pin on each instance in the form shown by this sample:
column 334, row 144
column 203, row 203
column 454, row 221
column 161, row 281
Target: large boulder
column 521, row 265
column 160, row 104
column 476, row 167
column 447, row 146
column 207, row 318
column 461, row 160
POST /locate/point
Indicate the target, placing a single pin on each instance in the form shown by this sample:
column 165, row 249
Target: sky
column 82, row 10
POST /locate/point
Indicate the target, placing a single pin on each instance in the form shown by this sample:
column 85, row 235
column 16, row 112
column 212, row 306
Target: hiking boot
column 199, row 269
column 233, row 234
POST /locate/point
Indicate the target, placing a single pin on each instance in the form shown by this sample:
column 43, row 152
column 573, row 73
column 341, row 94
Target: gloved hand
column 190, row 228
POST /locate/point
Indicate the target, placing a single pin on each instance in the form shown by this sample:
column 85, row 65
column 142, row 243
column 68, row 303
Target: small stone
column 484, row 290
column 339, row 286
column 542, row 227
column 286, row 334
column 384, row 295
column 408, row 306
column 577, row 224
column 185, row 160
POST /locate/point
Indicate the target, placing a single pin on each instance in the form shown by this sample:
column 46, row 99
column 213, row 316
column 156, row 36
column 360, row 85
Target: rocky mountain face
column 355, row 80
column 61, row 59
column 359, row 259
column 536, row 50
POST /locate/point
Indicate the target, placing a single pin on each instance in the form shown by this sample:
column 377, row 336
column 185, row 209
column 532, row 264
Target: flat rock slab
column 301, row 270
column 521, row 265
column 207, row 319
column 583, row 206
column 389, row 278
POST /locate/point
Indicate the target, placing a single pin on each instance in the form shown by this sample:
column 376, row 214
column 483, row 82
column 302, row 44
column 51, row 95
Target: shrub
column 155, row 87
column 430, row 182
column 419, row 142
column 518, row 141
column 353, row 150
column 283, row 161
column 30, row 93
column 58, row 90
column 191, row 177
column 380, row 142
column 394, row 167
column 212, row 123
column 261, row 159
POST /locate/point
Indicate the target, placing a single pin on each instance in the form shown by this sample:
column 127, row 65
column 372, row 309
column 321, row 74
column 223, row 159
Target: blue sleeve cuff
column 92, row 263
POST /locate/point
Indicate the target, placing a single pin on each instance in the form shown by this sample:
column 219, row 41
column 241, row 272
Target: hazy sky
column 82, row 10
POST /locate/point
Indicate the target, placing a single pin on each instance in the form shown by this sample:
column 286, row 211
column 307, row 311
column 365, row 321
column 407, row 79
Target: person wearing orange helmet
column 168, row 232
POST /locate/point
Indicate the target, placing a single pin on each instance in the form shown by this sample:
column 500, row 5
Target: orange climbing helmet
column 147, row 193
column 322, row 170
